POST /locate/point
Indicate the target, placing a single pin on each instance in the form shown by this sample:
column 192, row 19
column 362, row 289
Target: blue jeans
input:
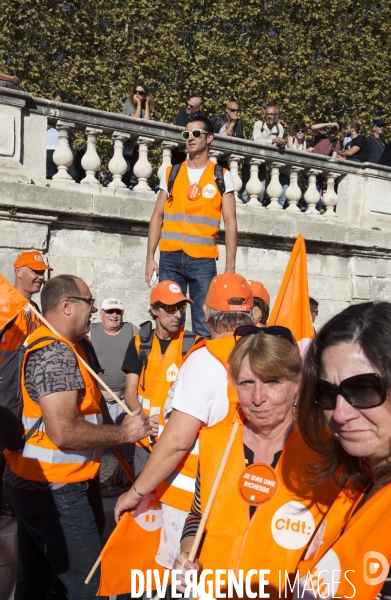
column 198, row 273
column 58, row 531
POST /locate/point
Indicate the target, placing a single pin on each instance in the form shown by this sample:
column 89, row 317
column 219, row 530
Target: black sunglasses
column 275, row 330
column 300, row 130
column 171, row 309
column 361, row 391
column 113, row 311
column 140, row 92
column 233, row 109
column 89, row 301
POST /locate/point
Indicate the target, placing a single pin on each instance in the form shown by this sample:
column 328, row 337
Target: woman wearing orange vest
column 244, row 531
column 346, row 385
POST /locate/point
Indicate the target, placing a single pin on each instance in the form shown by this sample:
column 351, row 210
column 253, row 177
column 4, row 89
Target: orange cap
column 259, row 290
column 33, row 259
column 226, row 286
column 168, row 292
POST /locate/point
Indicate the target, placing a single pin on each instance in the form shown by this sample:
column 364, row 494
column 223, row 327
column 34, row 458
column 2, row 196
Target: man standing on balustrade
column 269, row 132
column 186, row 219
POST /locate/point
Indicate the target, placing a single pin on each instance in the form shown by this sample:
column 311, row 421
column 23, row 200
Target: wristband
column 139, row 493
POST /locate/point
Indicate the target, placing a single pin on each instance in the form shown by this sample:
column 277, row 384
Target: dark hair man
column 52, row 484
column 358, row 149
column 376, row 141
column 187, row 220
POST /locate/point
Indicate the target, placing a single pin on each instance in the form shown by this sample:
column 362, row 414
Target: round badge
column 209, row 191
column 258, row 484
column 194, row 192
column 173, row 287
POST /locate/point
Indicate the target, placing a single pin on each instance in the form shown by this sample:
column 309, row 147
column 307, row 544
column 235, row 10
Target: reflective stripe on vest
column 41, row 459
column 192, row 225
column 189, row 239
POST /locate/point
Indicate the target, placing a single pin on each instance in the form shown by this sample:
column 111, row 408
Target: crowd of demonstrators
column 186, row 220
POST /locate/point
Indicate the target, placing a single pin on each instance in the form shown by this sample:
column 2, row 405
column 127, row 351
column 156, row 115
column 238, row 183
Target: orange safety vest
column 13, row 336
column 192, row 225
column 352, row 558
column 41, row 459
column 157, row 378
column 179, row 487
column 280, row 530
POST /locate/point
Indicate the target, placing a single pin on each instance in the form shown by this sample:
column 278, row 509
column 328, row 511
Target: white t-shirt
column 194, row 177
column 51, row 139
column 201, row 388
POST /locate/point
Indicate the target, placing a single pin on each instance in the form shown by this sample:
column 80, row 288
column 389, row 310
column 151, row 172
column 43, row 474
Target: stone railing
column 364, row 190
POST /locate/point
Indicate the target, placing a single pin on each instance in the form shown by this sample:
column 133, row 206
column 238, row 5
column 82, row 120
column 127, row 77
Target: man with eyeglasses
column 153, row 359
column 193, row 105
column 199, row 398
column 52, row 484
column 186, row 221
column 376, row 141
column 271, row 132
column 229, row 123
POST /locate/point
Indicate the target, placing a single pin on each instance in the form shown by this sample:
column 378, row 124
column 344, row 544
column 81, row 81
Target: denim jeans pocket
column 70, row 489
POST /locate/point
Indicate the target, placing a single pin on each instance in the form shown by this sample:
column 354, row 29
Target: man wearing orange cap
column 261, row 303
column 29, row 270
column 198, row 399
column 153, row 359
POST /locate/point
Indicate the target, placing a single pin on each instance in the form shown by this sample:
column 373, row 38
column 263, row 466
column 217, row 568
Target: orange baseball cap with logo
column 225, row 287
column 33, row 259
column 168, row 292
column 259, row 290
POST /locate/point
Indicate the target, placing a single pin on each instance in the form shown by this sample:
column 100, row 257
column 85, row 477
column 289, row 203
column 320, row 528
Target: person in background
column 314, row 308
column 229, row 123
column 139, row 104
column 297, row 141
column 348, row 137
column 358, row 149
column 261, row 306
column 10, row 81
column 376, row 141
column 193, row 105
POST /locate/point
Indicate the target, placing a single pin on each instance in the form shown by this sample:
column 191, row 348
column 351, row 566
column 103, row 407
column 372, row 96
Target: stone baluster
column 274, row 189
column 330, row 198
column 91, row 161
column 214, row 155
column 167, row 148
column 293, row 193
column 254, row 186
column 143, row 168
column 312, row 195
column 117, row 164
column 233, row 162
column 63, row 156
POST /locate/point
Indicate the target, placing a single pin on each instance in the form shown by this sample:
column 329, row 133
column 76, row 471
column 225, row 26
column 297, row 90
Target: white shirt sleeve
column 163, row 180
column 200, row 389
column 229, row 182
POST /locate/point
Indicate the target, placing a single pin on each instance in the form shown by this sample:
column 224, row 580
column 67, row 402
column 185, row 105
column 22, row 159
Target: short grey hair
column 274, row 106
column 225, row 321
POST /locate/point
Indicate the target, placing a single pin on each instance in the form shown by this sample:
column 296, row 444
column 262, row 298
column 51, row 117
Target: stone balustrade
column 362, row 194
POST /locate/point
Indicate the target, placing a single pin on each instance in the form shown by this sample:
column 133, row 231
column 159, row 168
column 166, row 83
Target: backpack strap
column 219, row 178
column 146, row 338
column 333, row 146
column 189, row 339
column 173, row 173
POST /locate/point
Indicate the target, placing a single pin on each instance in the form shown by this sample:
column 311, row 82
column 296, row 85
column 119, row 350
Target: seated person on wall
column 140, row 105
column 358, row 149
column 346, row 391
column 268, row 131
column 242, row 532
column 376, row 141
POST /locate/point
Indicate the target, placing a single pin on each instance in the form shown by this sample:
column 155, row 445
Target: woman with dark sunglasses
column 297, row 141
column 139, row 104
column 346, row 386
column 265, row 370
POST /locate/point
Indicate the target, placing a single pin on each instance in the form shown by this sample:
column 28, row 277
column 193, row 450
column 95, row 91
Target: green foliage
column 317, row 59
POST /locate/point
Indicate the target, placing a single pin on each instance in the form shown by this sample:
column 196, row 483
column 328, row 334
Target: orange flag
column 11, row 302
column 133, row 546
column 291, row 308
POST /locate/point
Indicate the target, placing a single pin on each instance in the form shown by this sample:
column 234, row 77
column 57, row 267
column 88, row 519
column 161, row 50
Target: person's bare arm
column 178, row 436
column 137, row 112
column 230, row 225
column 66, row 427
column 135, row 330
column 290, row 143
column 11, row 78
column 131, row 396
column 147, row 114
column 353, row 150
column 323, row 125
column 155, row 227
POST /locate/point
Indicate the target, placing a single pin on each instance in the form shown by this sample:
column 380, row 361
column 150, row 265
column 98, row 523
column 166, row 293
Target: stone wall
column 345, row 264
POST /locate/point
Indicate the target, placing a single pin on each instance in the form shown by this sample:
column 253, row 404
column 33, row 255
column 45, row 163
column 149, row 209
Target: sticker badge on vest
column 148, row 514
column 209, row 191
column 258, row 484
column 194, row 192
column 172, row 373
column 292, row 525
